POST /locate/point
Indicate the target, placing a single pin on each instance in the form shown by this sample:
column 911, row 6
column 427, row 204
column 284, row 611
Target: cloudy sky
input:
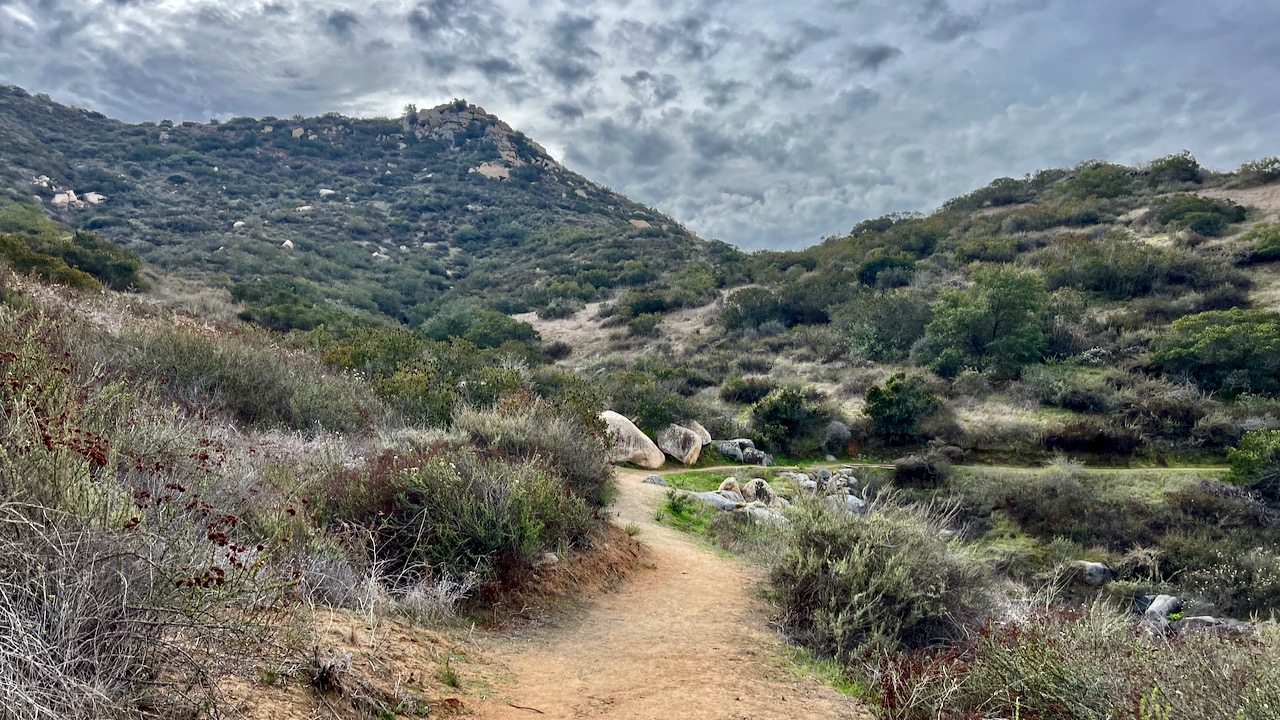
column 763, row 123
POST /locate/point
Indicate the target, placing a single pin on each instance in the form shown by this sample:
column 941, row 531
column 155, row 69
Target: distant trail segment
column 682, row 638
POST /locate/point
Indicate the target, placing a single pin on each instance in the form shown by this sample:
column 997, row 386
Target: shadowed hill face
column 385, row 217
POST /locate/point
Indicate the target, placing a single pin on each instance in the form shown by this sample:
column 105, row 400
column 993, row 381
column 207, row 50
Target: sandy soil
column 1264, row 199
column 682, row 638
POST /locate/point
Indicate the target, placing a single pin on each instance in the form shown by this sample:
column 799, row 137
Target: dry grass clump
column 1086, row 663
column 889, row 580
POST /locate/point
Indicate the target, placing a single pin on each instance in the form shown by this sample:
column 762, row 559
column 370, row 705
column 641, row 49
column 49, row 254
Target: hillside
column 352, row 220
column 340, row 478
column 1104, row 311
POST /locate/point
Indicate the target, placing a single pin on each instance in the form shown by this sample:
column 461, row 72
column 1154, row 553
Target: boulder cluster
column 758, row 500
column 683, row 442
column 446, row 121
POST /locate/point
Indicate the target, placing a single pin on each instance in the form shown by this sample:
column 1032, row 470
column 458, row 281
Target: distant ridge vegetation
column 334, row 220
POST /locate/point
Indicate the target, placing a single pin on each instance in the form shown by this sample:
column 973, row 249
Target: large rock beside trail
column 695, row 426
column 630, row 444
column 680, row 443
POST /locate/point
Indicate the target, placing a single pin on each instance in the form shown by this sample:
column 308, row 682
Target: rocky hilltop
column 385, row 219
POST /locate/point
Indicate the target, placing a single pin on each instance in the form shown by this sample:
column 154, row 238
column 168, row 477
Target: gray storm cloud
column 764, row 124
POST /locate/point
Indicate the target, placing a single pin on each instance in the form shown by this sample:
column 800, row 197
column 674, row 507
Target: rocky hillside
column 371, row 219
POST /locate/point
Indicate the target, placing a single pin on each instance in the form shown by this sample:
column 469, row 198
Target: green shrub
column 1229, row 351
column 486, row 329
column 791, row 420
column 19, row 255
column 1202, row 215
column 844, row 583
column 1002, row 250
column 1173, row 169
column 1070, row 388
column 1120, row 268
column 463, row 514
column 1263, row 242
column 644, row 325
column 1082, row 664
column 883, row 326
column 560, row 308
column 652, row 402
column 1255, row 463
column 1000, row 324
column 1001, row 191
column 532, row 430
column 898, row 408
column 901, row 268
column 62, row 257
column 256, row 385
column 746, row 390
column 1100, row 179
column 1260, row 172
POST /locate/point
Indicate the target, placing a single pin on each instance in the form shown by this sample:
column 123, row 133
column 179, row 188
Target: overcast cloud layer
column 763, row 123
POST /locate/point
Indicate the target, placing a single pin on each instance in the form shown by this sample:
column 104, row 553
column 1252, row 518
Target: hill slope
column 388, row 217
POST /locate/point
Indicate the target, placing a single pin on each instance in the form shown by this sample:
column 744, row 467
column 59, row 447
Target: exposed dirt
column 682, row 638
column 1264, row 199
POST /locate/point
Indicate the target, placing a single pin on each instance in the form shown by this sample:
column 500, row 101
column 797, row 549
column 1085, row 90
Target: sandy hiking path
column 682, row 638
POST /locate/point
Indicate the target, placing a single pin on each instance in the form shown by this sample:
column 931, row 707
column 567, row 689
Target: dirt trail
column 682, row 638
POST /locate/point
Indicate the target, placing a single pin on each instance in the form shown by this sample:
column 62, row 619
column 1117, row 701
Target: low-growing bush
column 255, row 384
column 1083, row 664
column 1201, row 215
column 1262, row 243
column 1174, row 169
column 791, row 420
column 1094, row 436
column 530, row 429
column 746, row 390
column 1260, row 171
column 1256, row 463
column 1230, row 351
column 888, row 580
column 899, row 407
column 454, row 510
column 1070, row 388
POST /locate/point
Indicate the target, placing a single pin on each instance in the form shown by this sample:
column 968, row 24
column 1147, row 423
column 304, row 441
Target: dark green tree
column 897, row 408
column 998, row 325
column 791, row 420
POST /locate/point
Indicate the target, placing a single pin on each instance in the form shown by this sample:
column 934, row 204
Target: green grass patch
column 829, row 672
column 684, row 513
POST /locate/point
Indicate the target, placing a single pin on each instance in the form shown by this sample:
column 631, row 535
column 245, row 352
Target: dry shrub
column 1083, row 664
column 96, row 623
column 530, row 429
column 889, row 580
column 254, row 383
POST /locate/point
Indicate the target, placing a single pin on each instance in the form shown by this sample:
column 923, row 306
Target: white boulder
column 695, row 426
column 680, row 443
column 630, row 444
